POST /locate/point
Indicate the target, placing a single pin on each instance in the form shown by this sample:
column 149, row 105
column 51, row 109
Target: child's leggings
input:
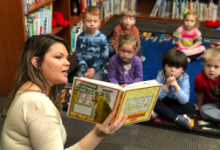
column 169, row 109
column 210, row 112
column 193, row 53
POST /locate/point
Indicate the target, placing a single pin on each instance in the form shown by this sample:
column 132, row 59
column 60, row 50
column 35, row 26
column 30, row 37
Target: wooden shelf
column 75, row 19
column 55, row 30
column 38, row 5
column 105, row 21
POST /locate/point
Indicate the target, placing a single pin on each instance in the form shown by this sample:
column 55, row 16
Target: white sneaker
column 188, row 59
column 142, row 58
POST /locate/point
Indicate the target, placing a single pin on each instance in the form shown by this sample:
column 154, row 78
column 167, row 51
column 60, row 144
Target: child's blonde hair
column 91, row 10
column 128, row 39
column 190, row 12
column 212, row 53
column 128, row 12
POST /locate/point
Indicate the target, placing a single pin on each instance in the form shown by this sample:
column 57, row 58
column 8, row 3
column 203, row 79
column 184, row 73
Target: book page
column 141, row 84
column 138, row 103
column 91, row 101
column 102, row 83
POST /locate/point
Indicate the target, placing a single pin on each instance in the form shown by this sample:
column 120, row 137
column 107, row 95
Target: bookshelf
column 13, row 34
column 145, row 7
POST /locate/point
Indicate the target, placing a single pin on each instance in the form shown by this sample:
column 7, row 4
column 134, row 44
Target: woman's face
column 55, row 65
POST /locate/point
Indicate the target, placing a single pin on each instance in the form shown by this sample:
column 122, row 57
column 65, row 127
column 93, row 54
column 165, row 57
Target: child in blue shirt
column 91, row 47
column 173, row 100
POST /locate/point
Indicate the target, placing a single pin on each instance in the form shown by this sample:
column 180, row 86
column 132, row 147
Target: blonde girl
column 188, row 38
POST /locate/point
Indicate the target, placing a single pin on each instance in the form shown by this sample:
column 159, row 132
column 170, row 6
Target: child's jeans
column 100, row 75
column 111, row 50
column 170, row 108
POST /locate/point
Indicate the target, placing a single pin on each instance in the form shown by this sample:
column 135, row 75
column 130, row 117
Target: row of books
column 75, row 31
column 26, row 4
column 206, row 11
column 40, row 21
column 162, row 8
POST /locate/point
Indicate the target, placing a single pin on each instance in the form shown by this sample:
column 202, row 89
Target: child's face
column 212, row 68
column 126, row 52
column 173, row 70
column 189, row 22
column 91, row 23
column 127, row 22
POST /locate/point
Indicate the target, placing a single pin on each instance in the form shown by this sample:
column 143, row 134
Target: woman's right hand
column 105, row 129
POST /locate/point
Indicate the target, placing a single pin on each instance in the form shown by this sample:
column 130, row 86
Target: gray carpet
column 134, row 137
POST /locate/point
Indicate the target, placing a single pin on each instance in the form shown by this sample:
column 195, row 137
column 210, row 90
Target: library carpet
column 153, row 51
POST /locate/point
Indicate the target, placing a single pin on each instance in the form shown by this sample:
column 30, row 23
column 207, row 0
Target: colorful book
column 93, row 100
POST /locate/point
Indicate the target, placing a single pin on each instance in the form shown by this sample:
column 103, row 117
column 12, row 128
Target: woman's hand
column 104, row 129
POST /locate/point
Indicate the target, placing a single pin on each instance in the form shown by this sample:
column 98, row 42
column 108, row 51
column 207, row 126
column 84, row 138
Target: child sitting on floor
column 207, row 86
column 125, row 67
column 91, row 47
column 126, row 25
column 173, row 100
column 188, row 38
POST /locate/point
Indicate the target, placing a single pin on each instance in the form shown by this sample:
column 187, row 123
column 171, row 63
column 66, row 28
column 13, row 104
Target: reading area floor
column 138, row 136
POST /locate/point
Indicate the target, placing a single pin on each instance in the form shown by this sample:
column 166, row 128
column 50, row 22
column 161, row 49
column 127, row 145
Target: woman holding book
column 32, row 110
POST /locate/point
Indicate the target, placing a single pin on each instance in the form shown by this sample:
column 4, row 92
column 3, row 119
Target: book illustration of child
column 173, row 101
column 126, row 26
column 125, row 67
column 91, row 47
column 102, row 108
column 207, row 86
column 188, row 38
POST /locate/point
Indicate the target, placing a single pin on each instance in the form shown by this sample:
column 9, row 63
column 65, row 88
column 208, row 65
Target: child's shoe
column 154, row 116
column 142, row 58
column 184, row 121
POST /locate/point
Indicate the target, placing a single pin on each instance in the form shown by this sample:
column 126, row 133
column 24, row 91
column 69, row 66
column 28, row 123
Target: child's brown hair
column 212, row 53
column 91, row 10
column 176, row 58
column 190, row 12
column 128, row 12
column 128, row 39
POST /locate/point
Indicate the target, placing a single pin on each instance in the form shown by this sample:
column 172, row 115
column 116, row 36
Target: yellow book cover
column 93, row 100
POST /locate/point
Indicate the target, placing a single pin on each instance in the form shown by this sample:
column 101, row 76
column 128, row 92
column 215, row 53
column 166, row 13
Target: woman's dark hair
column 174, row 57
column 35, row 46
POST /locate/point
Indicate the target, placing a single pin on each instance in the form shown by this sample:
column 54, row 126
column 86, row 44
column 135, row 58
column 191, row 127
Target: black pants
column 169, row 109
column 195, row 57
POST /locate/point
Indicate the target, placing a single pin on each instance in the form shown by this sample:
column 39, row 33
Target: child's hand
column 124, row 85
column 170, row 80
column 174, row 83
column 91, row 72
column 196, row 107
column 86, row 75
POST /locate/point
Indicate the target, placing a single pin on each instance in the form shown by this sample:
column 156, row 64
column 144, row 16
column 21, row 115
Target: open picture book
column 93, row 100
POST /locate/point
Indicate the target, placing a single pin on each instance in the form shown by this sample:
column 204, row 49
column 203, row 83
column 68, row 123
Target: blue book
column 162, row 37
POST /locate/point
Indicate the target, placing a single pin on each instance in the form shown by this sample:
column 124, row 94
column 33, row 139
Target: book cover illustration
column 138, row 104
column 92, row 102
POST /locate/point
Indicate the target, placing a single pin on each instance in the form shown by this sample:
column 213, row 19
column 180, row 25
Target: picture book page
column 92, row 102
column 142, row 84
column 102, row 83
column 138, row 104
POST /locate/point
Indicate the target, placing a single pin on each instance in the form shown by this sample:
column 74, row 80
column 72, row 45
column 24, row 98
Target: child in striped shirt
column 188, row 38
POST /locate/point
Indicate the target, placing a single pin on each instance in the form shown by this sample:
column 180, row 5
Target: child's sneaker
column 154, row 116
column 142, row 58
column 184, row 122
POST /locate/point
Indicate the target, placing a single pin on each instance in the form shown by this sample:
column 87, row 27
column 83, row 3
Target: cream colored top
column 33, row 122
